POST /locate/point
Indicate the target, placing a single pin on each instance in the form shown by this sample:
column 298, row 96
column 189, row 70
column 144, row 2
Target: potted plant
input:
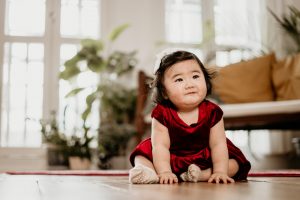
column 56, row 142
column 79, row 151
column 118, row 106
column 96, row 56
column 112, row 145
column 62, row 150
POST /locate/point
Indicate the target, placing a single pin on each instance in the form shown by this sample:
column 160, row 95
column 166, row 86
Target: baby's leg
column 233, row 167
column 143, row 172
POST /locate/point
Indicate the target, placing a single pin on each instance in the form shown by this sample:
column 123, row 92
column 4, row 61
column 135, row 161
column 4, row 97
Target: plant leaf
column 96, row 64
column 117, row 31
column 69, row 73
column 86, row 113
column 91, row 43
column 74, row 92
column 89, row 101
column 73, row 61
column 91, row 98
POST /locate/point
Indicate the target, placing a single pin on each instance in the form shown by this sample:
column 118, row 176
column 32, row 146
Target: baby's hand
column 167, row 177
column 220, row 178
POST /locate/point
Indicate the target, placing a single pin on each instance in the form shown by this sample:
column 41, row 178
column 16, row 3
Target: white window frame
column 207, row 16
column 2, row 13
column 210, row 48
column 52, row 42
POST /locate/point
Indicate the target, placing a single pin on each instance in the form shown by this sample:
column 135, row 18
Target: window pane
column 85, row 12
column 222, row 58
column 23, row 94
column 233, row 56
column 237, row 25
column 66, row 52
column 23, row 66
column 227, row 23
column 75, row 106
column 25, row 18
column 183, row 21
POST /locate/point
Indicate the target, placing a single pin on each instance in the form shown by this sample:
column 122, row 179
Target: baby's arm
column 219, row 151
column 161, row 154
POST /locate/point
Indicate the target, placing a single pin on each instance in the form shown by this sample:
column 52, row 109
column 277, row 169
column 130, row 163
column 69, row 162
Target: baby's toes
column 193, row 173
column 184, row 176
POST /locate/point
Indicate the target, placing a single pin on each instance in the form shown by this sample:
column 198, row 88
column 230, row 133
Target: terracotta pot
column 77, row 163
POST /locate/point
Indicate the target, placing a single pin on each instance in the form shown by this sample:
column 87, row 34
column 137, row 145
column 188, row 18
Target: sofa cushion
column 286, row 78
column 246, row 81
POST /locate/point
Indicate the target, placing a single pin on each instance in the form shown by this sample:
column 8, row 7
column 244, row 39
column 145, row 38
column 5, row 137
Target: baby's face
column 185, row 84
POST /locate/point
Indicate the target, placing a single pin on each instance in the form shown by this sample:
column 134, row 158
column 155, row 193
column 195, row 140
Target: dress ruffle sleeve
column 159, row 113
column 216, row 114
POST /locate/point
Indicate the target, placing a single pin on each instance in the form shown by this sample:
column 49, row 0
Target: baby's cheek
column 203, row 90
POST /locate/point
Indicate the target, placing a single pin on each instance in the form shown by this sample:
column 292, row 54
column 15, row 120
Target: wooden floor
column 13, row 187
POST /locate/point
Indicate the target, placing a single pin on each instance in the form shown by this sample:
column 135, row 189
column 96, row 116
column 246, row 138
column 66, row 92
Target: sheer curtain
column 274, row 40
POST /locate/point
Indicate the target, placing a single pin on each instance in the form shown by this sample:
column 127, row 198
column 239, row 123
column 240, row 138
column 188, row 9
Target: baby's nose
column 189, row 84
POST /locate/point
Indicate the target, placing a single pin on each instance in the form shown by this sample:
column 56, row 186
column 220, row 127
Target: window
column 237, row 38
column 37, row 36
column 183, row 24
column 183, row 21
column 215, row 29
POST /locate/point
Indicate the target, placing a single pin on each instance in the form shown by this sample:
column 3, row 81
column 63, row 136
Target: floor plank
column 114, row 188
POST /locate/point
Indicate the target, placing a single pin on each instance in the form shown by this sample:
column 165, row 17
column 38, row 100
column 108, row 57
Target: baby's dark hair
column 158, row 94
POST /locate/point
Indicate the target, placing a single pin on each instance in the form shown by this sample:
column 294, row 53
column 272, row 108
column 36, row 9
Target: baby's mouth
column 189, row 93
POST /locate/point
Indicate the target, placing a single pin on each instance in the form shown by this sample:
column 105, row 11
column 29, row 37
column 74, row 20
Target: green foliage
column 91, row 57
column 121, row 63
column 50, row 132
column 66, row 146
column 80, row 146
column 94, row 57
column 74, row 92
column 290, row 23
column 117, row 103
column 116, row 32
column 115, row 144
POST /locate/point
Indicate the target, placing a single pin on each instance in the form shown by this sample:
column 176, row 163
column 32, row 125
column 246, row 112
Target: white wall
column 274, row 36
column 146, row 19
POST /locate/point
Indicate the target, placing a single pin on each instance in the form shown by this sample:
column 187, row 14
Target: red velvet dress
column 190, row 143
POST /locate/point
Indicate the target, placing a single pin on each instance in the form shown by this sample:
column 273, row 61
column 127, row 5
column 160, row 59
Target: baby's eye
column 179, row 80
column 196, row 76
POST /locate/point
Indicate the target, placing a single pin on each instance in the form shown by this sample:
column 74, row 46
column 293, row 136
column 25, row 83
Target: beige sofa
column 260, row 79
column 262, row 93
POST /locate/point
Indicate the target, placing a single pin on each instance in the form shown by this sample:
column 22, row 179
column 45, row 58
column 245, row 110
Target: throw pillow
column 286, row 78
column 246, row 81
